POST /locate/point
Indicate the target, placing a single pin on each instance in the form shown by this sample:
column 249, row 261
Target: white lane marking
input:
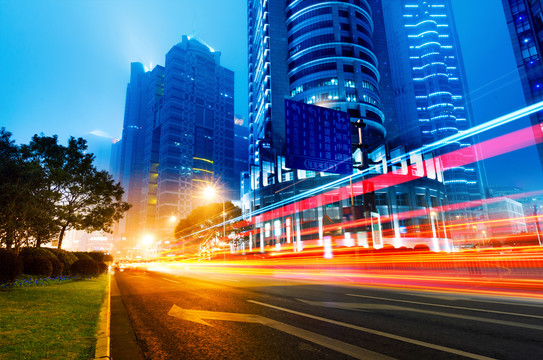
column 379, row 333
column 465, row 297
column 365, row 307
column 440, row 297
column 447, row 306
column 178, row 282
column 198, row 316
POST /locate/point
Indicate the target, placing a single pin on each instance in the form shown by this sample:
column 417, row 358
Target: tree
column 203, row 221
column 81, row 197
column 25, row 199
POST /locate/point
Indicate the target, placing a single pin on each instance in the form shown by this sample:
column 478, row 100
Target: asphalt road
column 193, row 313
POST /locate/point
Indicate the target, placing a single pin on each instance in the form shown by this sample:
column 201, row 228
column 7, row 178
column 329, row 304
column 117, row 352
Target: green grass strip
column 51, row 322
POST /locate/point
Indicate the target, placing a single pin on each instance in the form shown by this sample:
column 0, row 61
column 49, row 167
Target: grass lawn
column 51, row 322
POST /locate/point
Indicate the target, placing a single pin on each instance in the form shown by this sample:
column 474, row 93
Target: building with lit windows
column 430, row 90
column 241, row 154
column 127, row 154
column 330, row 62
column 185, row 138
column 525, row 22
column 336, row 57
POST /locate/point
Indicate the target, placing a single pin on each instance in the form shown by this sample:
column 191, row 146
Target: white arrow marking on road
column 379, row 333
column 362, row 307
column 198, row 316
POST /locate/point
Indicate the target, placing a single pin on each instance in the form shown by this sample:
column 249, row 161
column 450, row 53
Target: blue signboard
column 317, row 138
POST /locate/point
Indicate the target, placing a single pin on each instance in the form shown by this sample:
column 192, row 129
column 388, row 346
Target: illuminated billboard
column 317, row 138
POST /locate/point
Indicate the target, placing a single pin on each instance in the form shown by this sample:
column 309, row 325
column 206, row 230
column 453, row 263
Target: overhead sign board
column 317, row 138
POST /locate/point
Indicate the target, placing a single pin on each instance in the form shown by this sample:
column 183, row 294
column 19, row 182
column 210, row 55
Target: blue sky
column 65, row 64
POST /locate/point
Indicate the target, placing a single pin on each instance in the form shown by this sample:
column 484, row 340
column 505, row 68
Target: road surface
column 193, row 313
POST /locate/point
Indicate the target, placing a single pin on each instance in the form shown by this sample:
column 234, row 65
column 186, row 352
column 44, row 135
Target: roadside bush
column 96, row 255
column 85, row 267
column 102, row 267
column 11, row 266
column 100, row 256
column 57, row 267
column 36, row 252
column 82, row 255
column 66, row 258
column 37, row 265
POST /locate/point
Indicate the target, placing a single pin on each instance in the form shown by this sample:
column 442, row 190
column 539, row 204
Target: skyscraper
column 525, row 22
column 320, row 53
column 241, row 152
column 430, row 87
column 129, row 151
column 185, row 137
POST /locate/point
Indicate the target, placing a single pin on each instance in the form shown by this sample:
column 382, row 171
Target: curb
column 102, row 348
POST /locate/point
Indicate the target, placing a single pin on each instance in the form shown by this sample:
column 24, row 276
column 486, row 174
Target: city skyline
column 79, row 82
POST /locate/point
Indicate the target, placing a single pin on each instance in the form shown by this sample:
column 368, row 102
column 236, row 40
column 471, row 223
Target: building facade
column 185, row 138
column 315, row 52
column 525, row 22
column 332, row 54
column 430, row 90
column 127, row 154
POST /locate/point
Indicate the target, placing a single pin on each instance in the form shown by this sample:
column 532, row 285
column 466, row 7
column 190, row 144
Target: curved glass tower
column 313, row 51
column 331, row 60
column 431, row 93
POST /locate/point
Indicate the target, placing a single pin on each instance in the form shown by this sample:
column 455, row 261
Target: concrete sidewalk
column 115, row 337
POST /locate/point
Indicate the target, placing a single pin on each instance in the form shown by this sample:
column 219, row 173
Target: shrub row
column 50, row 263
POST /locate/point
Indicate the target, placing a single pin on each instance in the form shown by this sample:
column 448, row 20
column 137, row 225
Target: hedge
column 37, row 265
column 11, row 266
column 66, row 258
column 85, row 267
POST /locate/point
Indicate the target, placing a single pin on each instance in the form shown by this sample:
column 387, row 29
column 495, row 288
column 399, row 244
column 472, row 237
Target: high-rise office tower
column 185, row 137
column 241, row 152
column 525, row 22
column 430, row 88
column 129, row 152
column 317, row 52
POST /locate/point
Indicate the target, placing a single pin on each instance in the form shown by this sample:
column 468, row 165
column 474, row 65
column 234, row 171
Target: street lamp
column 173, row 220
column 211, row 193
column 147, row 240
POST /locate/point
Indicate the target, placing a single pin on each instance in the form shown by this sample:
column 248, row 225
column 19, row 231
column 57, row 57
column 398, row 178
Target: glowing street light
column 211, row 193
column 147, row 239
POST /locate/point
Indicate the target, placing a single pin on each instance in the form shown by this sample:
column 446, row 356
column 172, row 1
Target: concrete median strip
column 102, row 348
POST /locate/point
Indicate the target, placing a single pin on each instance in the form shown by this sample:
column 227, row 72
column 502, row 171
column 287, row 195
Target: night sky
column 65, row 65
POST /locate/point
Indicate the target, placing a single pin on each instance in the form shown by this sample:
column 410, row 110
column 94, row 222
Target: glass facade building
column 525, row 22
column 185, row 137
column 336, row 57
column 430, row 89
column 128, row 162
column 317, row 52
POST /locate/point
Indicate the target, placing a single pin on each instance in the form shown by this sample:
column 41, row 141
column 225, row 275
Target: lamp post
column 147, row 241
column 211, row 193
column 173, row 220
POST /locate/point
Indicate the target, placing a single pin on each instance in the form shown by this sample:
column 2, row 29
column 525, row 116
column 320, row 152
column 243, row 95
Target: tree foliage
column 25, row 197
column 49, row 188
column 201, row 225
